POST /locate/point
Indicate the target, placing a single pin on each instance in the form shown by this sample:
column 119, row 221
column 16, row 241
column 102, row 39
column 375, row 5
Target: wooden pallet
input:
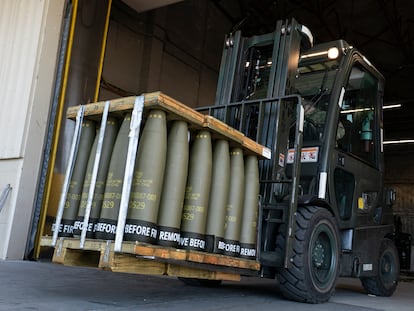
column 142, row 258
column 178, row 111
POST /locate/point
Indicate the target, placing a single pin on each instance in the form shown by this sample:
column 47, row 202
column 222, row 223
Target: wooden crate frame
column 142, row 258
column 177, row 111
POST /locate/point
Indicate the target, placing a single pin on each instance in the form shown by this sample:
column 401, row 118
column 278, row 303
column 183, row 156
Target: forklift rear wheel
column 200, row 282
column 386, row 280
column 315, row 263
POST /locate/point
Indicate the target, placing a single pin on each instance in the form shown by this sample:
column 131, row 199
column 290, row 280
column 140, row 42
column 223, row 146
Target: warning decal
column 309, row 155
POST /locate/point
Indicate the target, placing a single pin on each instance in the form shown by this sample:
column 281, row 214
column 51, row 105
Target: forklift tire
column 200, row 282
column 315, row 264
column 386, row 280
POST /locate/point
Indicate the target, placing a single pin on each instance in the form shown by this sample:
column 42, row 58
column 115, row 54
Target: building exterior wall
column 29, row 40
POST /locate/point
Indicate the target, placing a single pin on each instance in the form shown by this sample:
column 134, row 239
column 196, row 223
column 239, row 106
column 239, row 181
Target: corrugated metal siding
column 404, row 205
column 399, row 175
column 20, row 26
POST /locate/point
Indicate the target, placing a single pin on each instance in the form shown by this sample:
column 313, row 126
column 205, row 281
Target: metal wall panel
column 20, row 26
column 404, row 205
column 29, row 40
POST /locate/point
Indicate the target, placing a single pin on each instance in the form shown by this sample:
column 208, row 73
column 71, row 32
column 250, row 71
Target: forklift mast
column 254, row 84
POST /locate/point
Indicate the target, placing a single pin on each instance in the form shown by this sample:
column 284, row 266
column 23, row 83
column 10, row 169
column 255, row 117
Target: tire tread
column 292, row 281
column 374, row 285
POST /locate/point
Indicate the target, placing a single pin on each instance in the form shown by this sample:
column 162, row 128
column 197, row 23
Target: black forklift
column 324, row 212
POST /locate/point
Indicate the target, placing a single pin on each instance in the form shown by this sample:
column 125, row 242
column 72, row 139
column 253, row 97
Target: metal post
column 129, row 169
column 293, row 204
column 39, row 215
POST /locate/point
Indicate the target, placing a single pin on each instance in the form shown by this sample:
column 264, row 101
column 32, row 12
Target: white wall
column 29, row 39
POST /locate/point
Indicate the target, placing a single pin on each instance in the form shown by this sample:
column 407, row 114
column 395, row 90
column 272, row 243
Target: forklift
column 323, row 211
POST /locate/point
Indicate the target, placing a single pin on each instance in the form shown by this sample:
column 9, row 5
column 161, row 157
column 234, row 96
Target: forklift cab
column 341, row 93
column 342, row 154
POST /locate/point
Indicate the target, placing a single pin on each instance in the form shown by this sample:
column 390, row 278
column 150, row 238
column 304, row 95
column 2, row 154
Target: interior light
column 310, row 55
column 367, row 109
column 392, row 106
column 356, row 110
column 402, row 141
column 333, row 53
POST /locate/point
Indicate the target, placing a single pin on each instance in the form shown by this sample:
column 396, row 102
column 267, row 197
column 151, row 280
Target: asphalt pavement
column 31, row 285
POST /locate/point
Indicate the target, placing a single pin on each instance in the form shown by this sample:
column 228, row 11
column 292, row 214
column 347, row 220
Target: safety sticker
column 309, row 155
column 281, row 160
column 367, row 267
column 267, row 153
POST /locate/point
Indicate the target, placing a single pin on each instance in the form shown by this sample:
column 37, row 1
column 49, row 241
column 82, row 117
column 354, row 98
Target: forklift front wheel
column 386, row 280
column 315, row 263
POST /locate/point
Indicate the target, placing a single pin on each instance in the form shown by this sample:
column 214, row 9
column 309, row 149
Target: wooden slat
column 174, row 108
column 188, row 272
column 195, row 257
column 177, row 111
column 174, row 254
column 119, row 104
column 141, row 258
column 46, row 241
column 90, row 244
column 221, row 260
column 59, row 256
column 156, row 251
column 131, row 264
column 160, row 252
column 75, row 257
column 256, row 148
column 223, row 129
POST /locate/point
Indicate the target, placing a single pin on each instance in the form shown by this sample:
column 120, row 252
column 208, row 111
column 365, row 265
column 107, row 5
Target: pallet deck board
column 174, row 108
column 142, row 258
column 129, row 263
column 95, row 109
column 176, row 111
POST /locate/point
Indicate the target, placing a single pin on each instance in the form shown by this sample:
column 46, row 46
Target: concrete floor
column 28, row 285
